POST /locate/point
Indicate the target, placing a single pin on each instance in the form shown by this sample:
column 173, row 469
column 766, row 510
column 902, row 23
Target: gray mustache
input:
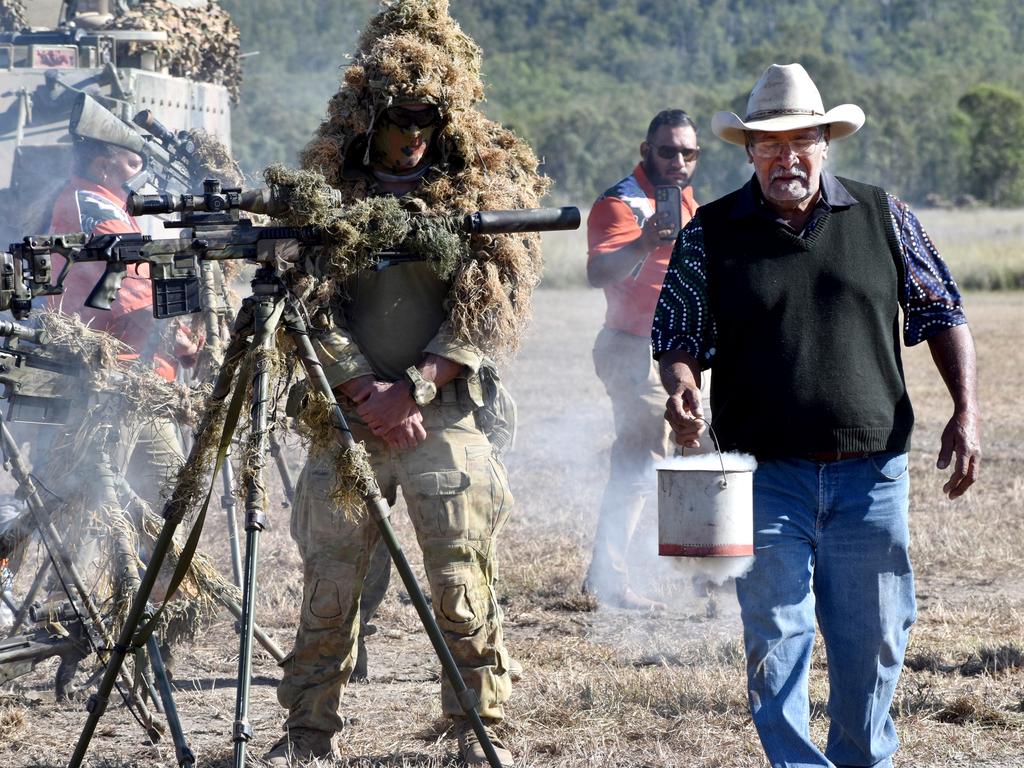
column 797, row 172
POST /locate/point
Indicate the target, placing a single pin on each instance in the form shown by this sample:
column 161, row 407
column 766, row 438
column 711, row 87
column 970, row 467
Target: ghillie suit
column 96, row 504
column 202, row 43
column 465, row 298
column 214, row 159
column 413, row 51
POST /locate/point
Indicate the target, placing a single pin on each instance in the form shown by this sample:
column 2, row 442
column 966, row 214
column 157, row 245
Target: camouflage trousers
column 458, row 498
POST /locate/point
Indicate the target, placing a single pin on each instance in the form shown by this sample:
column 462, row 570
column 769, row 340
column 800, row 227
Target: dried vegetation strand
column 413, row 51
column 354, row 479
column 123, row 392
column 140, row 392
column 213, row 159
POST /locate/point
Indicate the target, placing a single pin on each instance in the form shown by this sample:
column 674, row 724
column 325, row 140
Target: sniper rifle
column 212, row 230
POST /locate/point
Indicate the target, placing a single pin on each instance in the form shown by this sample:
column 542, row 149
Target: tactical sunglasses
column 666, row 152
column 405, row 118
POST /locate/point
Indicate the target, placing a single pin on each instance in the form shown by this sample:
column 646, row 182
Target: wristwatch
column 423, row 391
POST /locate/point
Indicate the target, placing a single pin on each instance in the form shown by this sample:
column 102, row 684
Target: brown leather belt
column 826, row 456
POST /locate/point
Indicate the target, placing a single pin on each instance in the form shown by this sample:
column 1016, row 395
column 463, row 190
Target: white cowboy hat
column 785, row 99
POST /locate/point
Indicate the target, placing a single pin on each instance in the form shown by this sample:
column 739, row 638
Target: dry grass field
column 609, row 688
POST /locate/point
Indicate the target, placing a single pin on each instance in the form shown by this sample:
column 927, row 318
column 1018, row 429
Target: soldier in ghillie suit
column 408, row 355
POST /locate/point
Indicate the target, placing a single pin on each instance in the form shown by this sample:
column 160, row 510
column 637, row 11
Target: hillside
column 939, row 80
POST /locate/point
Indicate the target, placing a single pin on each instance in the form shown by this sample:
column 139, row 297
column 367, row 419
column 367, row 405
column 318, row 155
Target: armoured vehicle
column 54, row 50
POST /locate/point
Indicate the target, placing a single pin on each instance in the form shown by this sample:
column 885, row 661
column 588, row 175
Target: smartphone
column 668, row 201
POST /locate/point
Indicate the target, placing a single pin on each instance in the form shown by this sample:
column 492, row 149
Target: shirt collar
column 750, row 201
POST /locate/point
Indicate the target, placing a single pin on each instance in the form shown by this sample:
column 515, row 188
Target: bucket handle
column 714, row 438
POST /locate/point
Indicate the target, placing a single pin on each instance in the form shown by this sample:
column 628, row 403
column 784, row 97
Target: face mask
column 398, row 149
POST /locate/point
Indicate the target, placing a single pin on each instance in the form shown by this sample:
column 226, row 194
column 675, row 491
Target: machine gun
column 57, row 630
column 215, row 232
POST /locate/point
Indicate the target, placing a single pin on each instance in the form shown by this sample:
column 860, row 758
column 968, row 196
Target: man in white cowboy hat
column 790, row 289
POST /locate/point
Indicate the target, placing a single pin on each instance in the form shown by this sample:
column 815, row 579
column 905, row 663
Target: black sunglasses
column 689, row 154
column 404, row 118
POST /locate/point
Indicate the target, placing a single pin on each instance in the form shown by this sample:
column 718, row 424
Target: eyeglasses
column 666, row 152
column 404, row 118
column 802, row 147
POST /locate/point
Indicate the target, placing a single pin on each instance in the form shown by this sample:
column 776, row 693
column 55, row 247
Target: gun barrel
column 10, row 329
column 524, row 220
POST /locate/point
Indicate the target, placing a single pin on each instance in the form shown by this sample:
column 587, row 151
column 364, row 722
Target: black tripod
column 250, row 350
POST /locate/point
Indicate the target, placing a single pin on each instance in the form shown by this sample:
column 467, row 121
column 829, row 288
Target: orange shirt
column 84, row 206
column 616, row 220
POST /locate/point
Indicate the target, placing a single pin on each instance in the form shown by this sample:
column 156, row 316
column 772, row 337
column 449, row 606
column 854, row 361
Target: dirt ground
column 609, row 688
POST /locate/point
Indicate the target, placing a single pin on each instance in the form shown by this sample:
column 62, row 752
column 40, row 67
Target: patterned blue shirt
column 928, row 295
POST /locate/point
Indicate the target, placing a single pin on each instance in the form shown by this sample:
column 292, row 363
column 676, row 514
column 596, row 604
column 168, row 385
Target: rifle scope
column 181, row 142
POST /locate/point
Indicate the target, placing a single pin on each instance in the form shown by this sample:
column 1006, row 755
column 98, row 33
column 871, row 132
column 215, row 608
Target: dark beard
column 658, row 180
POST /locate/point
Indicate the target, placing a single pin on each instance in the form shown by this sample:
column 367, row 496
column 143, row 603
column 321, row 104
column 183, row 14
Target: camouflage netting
column 12, row 15
column 413, row 51
column 213, row 160
column 141, row 392
column 199, row 596
column 202, row 43
column 354, row 478
column 363, row 228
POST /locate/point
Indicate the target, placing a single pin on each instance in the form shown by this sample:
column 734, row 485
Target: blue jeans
column 830, row 542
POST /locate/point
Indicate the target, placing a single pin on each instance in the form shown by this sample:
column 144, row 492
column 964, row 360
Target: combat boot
column 299, row 745
column 472, row 751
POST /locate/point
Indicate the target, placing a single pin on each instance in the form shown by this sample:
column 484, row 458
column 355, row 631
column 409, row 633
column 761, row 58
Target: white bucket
column 705, row 506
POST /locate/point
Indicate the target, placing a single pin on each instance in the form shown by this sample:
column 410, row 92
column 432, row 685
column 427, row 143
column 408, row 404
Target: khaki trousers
column 458, row 498
column 624, row 364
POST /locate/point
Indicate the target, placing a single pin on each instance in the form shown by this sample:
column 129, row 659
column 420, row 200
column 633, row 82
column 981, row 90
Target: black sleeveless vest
column 808, row 351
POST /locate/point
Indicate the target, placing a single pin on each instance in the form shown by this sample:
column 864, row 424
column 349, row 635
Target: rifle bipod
column 259, row 318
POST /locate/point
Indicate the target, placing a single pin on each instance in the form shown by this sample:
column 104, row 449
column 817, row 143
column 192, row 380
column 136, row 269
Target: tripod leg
column 30, row 596
column 267, row 310
column 380, row 512
column 264, row 639
column 234, row 608
column 186, row 758
column 63, row 564
column 283, row 469
column 227, row 501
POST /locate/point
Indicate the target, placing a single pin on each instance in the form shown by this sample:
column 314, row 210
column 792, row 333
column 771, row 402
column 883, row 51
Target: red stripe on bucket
column 705, row 550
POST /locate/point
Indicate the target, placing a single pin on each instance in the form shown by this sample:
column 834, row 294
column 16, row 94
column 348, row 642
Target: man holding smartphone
column 630, row 231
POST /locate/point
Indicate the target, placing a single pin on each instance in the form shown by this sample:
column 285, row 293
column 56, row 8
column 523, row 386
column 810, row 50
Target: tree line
column 940, row 81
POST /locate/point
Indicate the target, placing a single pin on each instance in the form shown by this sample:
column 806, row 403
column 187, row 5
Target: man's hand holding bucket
column 680, row 375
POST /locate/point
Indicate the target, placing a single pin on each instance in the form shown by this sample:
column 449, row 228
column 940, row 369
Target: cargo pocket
column 441, row 506
column 460, row 606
